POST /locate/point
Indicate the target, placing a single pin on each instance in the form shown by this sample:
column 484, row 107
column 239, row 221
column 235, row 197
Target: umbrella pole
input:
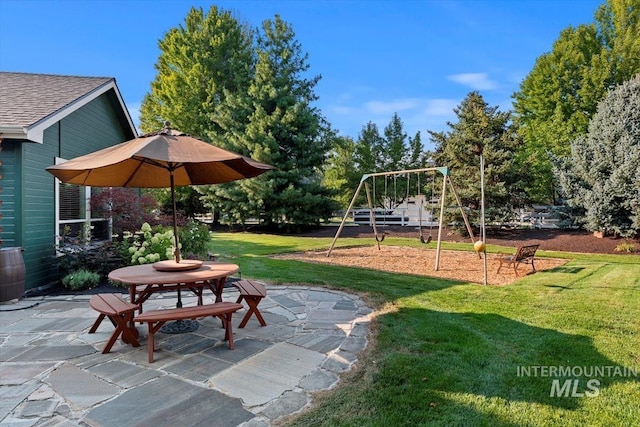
column 175, row 218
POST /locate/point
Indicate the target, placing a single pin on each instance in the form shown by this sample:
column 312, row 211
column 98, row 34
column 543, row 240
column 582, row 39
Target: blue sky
column 417, row 58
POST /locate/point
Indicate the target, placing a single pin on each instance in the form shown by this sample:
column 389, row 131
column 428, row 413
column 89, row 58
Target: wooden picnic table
column 144, row 280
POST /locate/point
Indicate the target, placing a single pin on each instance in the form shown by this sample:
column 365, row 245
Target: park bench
column 156, row 318
column 523, row 255
column 252, row 292
column 120, row 313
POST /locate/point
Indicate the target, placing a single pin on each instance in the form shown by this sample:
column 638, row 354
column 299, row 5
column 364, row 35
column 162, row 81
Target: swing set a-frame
column 364, row 182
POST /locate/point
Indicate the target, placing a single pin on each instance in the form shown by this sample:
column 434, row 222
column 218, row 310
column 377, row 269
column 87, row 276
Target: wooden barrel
column 12, row 273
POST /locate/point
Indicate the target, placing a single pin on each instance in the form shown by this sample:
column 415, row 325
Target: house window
column 74, row 218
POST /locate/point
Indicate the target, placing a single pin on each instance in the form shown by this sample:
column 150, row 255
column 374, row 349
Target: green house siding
column 38, row 215
column 90, row 128
column 10, row 182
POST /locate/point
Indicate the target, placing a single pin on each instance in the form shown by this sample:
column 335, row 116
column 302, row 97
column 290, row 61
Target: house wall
column 93, row 127
column 10, row 220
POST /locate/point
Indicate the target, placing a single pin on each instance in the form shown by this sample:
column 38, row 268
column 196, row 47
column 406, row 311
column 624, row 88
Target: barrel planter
column 12, row 274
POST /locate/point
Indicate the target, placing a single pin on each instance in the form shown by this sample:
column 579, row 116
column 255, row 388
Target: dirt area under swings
column 455, row 265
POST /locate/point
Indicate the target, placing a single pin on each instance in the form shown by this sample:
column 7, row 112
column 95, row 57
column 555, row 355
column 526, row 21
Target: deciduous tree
column 559, row 96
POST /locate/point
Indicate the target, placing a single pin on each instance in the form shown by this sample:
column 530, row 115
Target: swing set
column 364, row 182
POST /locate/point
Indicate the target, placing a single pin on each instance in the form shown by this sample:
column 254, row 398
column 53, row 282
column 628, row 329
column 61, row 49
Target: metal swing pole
column 445, row 174
column 464, row 216
column 344, row 218
column 482, row 224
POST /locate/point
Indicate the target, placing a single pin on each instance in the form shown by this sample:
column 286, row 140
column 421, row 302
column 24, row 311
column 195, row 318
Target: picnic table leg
column 253, row 302
column 153, row 328
column 122, row 328
column 217, row 286
column 97, row 323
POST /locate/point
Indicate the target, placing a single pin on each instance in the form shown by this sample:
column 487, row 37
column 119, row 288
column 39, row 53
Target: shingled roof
column 32, row 102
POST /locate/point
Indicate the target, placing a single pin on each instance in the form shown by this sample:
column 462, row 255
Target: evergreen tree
column 369, row 149
column 481, row 127
column 416, row 156
column 602, row 174
column 374, row 153
column 395, row 147
column 282, row 129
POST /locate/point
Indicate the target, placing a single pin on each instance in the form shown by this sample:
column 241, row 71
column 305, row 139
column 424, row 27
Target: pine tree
column 282, row 129
column 395, row 146
column 485, row 128
column 341, row 175
column 200, row 65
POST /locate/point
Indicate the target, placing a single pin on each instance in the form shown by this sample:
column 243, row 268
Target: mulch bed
column 455, row 265
column 548, row 239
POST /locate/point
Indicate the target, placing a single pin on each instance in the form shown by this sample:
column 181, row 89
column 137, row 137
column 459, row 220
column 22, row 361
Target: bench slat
column 247, row 287
column 110, row 304
column 188, row 312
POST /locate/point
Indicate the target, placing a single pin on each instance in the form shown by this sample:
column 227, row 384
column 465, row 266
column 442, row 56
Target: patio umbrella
column 163, row 159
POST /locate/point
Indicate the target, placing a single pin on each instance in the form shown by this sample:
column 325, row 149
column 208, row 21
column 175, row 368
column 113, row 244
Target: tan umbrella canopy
column 163, row 159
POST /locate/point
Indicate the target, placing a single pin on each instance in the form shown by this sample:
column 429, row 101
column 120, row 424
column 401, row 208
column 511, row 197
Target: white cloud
column 391, row 107
column 477, row 81
column 417, row 114
column 440, row 107
column 342, row 109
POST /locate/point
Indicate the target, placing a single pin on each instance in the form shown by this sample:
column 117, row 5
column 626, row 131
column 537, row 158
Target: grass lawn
column 448, row 353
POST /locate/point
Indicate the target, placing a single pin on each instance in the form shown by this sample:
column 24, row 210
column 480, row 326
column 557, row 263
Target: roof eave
column 12, row 132
column 35, row 132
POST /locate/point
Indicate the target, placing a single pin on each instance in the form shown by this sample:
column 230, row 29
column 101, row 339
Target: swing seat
column 427, row 241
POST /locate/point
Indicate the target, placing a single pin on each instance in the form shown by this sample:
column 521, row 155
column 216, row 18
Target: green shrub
column 81, row 279
column 75, row 253
column 152, row 244
column 194, row 240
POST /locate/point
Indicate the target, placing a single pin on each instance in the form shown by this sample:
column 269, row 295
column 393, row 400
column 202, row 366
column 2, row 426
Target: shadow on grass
column 564, row 269
column 488, row 356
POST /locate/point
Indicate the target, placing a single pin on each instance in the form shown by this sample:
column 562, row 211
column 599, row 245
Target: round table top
column 146, row 274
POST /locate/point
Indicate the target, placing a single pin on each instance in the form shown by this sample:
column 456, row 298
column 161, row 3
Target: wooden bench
column 523, row 255
column 120, row 313
column 252, row 292
column 157, row 318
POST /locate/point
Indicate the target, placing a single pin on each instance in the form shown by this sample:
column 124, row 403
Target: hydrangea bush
column 148, row 246
column 152, row 244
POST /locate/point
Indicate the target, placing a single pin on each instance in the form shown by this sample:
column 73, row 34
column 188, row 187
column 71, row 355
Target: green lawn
column 448, row 353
